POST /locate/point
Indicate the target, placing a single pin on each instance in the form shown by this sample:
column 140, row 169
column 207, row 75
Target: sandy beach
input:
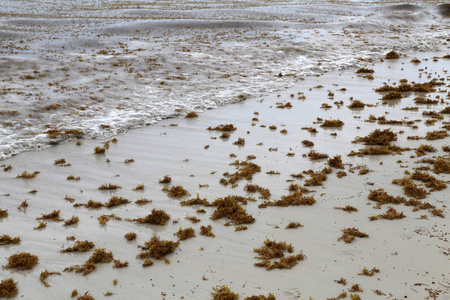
column 410, row 253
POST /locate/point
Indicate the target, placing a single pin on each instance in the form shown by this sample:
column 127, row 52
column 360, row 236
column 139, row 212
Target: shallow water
column 105, row 67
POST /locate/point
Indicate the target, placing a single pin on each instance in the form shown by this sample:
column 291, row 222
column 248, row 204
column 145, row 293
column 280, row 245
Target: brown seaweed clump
column 392, row 55
column 293, row 199
column 272, row 255
column 3, row 213
column 184, row 234
column 90, row 204
column 116, row 201
column 100, row 256
column 8, row 240
column 410, row 188
column 423, row 100
column 223, row 293
column 379, row 150
column 61, row 161
column 253, row 188
column 45, row 274
column 191, row 114
column 229, row 207
column 437, row 212
column 349, row 234
column 239, row 142
column 175, row 191
column 365, row 70
column 53, row 216
column 441, row 165
column 99, row 150
column 347, row 208
column 332, row 123
column 80, row 246
column 86, row 296
column 370, row 273
column 378, row 137
column 142, row 201
column 157, row 248
column 307, row 143
column 336, row 162
column 392, row 95
column 422, row 149
column 294, row 225
column 120, row 264
column 313, row 155
column 130, row 236
column 430, row 181
column 317, row 178
column 22, row 261
column 222, row 127
column 8, row 288
column 157, row 217
column 390, row 214
column 72, row 221
column 261, row 297
column 193, row 219
column 166, row 179
column 109, row 186
column 26, row 175
column 436, row 135
column 382, row 197
column 246, row 170
column 206, row 231
column 196, row 201
column 356, row 104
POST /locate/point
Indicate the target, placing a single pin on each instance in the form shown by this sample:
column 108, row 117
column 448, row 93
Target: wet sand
column 411, row 253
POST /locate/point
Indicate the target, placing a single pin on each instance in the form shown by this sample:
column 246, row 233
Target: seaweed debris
column 378, row 138
column 223, row 293
column 175, row 191
column 8, row 240
column 223, row 127
column 229, row 207
column 390, row 214
column 80, row 246
column 253, row 188
column 157, row 217
column 157, row 248
column 8, row 288
column 44, row 274
column 206, row 231
column 349, row 234
column 22, row 261
column 272, row 255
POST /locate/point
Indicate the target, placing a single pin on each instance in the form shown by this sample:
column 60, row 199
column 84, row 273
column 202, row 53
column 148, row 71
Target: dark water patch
column 405, row 7
column 444, row 9
column 5, row 35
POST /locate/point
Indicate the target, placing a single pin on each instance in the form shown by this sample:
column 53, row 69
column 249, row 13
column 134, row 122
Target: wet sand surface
column 411, row 253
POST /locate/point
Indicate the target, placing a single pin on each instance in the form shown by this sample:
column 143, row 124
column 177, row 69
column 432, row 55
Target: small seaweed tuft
column 157, row 248
column 349, row 234
column 157, row 217
column 130, row 236
column 22, row 261
column 272, row 255
column 175, row 191
column 184, row 234
column 223, row 293
column 8, row 288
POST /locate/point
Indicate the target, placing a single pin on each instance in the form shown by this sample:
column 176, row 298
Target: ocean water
column 101, row 67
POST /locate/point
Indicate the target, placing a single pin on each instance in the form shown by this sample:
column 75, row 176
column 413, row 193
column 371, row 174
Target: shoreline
column 131, row 66
column 399, row 248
